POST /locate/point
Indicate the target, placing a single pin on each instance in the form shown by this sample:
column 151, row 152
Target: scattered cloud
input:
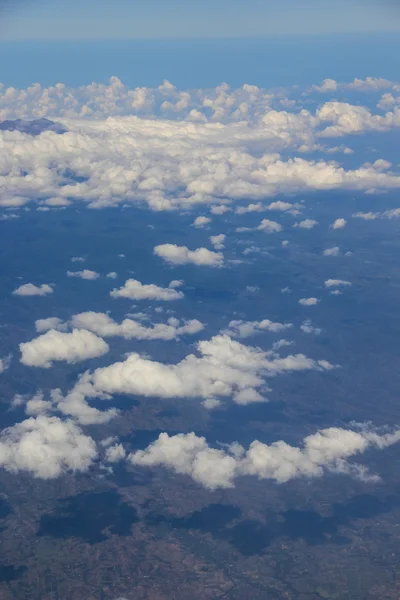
column 335, row 251
column 135, row 290
column 85, row 274
column 104, row 326
column 339, row 223
column 243, row 329
column 181, row 255
column 306, row 224
column 46, row 447
column 201, row 221
column 336, row 282
column 308, row 301
column 327, row 450
column 58, row 346
column 307, row 327
column 218, row 241
column 29, row 289
column 223, row 368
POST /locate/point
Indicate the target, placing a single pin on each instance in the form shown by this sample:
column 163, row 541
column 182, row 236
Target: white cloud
column 115, row 453
column 328, row 85
column 85, row 274
column 307, row 327
column 175, row 163
column 75, row 259
column 219, row 209
column 243, row 329
column 46, row 447
column 181, row 255
column 211, row 403
column 218, row 241
column 135, row 290
column 254, row 207
column 103, row 325
column 270, row 226
column 306, row 224
column 367, row 216
column 335, row 251
column 49, row 323
column 339, row 223
column 328, row 450
column 57, row 346
column 112, row 275
column 308, row 301
column 201, row 221
column 224, row 368
column 336, row 282
column 29, row 289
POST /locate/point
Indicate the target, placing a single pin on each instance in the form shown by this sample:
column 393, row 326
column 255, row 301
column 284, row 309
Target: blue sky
column 82, row 19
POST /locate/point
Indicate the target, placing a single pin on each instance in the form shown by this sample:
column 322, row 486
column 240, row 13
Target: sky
column 101, row 19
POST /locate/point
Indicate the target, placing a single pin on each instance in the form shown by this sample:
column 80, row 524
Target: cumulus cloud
column 270, row 226
column 201, row 222
column 135, row 290
column 308, row 301
column 222, row 368
column 218, row 241
column 306, row 224
column 339, row 223
column 29, row 289
column 336, row 282
column 334, row 251
column 46, row 447
column 57, row 346
column 177, row 161
column 112, row 275
column 104, row 326
column 307, row 327
column 181, row 255
column 49, row 323
column 327, row 450
column 85, row 274
column 243, row 329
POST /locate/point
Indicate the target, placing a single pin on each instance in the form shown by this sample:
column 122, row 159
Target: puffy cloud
column 328, row 450
column 224, row 368
column 336, row 282
column 306, row 224
column 218, row 241
column 349, row 119
column 219, row 209
column 103, row 325
column 328, row 85
column 339, row 223
column 57, row 346
column 175, row 163
column 270, row 226
column 243, row 329
column 49, row 323
column 112, row 275
column 307, row 327
column 201, row 221
column 29, row 289
column 75, row 259
column 308, row 301
column 135, row 290
column 46, row 447
column 181, row 255
column 85, row 274
column 115, row 453
column 335, row 251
